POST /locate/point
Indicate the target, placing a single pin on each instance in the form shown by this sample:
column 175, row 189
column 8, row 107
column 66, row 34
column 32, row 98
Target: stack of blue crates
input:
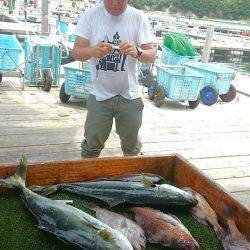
column 10, row 53
column 179, row 82
column 77, row 81
column 48, row 57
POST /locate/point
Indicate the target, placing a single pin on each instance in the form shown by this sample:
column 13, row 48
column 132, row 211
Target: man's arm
column 148, row 51
column 82, row 50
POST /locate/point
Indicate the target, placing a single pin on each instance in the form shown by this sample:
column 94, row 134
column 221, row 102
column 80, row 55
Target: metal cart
column 177, row 83
column 217, row 82
column 42, row 62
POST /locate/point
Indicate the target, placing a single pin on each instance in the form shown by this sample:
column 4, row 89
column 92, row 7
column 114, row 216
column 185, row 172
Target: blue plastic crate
column 10, row 52
column 180, row 83
column 63, row 27
column 215, row 76
column 72, row 38
column 77, row 82
column 48, row 54
column 171, row 58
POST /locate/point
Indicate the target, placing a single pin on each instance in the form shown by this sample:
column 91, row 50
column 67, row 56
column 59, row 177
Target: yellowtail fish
column 66, row 222
column 118, row 192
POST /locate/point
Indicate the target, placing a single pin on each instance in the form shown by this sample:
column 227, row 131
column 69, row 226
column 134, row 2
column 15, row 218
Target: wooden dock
column 17, row 28
column 216, row 139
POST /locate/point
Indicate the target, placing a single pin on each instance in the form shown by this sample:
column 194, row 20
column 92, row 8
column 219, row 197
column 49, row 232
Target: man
column 114, row 36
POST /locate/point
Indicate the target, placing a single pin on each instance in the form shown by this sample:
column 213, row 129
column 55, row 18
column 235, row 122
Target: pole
column 45, row 17
column 208, row 44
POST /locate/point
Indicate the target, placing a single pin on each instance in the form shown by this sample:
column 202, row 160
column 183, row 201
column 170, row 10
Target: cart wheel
column 209, row 95
column 194, row 104
column 47, row 76
column 63, row 96
column 1, row 77
column 159, row 96
column 151, row 90
column 230, row 95
column 146, row 76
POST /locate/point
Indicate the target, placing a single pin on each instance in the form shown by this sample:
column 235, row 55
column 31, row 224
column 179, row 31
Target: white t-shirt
column 114, row 74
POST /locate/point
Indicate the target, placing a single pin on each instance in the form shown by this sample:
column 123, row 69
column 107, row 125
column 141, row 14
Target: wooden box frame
column 172, row 167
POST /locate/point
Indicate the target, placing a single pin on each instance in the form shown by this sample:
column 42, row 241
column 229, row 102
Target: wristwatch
column 139, row 51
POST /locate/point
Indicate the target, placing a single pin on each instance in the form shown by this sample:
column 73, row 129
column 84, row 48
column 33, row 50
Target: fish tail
column 19, row 178
column 44, row 191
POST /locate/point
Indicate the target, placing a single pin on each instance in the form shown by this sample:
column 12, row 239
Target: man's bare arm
column 82, row 50
column 148, row 51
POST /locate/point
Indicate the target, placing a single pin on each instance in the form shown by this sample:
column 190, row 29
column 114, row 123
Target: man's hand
column 100, row 50
column 128, row 49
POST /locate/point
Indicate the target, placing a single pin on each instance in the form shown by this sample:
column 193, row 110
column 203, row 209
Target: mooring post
column 208, row 44
column 45, row 17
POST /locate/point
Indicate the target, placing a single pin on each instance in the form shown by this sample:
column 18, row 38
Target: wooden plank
column 228, row 173
column 235, row 184
column 38, row 116
column 234, row 146
column 154, row 136
column 221, row 162
column 55, row 156
column 190, row 154
column 243, row 198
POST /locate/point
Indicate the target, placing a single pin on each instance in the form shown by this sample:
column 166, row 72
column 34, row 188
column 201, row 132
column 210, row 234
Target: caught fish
column 118, row 192
column 204, row 214
column 66, row 222
column 164, row 229
column 233, row 238
column 134, row 178
column 129, row 228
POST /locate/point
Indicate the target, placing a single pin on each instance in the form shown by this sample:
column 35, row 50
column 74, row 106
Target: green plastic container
column 179, row 43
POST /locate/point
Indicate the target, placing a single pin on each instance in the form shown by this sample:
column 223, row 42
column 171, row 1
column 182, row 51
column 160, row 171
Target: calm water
column 237, row 63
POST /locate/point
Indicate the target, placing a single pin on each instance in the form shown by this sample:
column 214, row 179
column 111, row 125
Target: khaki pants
column 98, row 125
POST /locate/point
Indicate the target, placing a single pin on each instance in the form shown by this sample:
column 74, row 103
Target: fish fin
column 147, row 182
column 106, row 235
column 197, row 218
column 111, row 201
column 45, row 191
column 91, row 206
column 175, row 217
column 124, row 223
column 19, row 177
column 45, row 226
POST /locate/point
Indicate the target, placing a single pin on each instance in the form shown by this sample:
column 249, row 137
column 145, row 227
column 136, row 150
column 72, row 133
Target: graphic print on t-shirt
column 113, row 61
